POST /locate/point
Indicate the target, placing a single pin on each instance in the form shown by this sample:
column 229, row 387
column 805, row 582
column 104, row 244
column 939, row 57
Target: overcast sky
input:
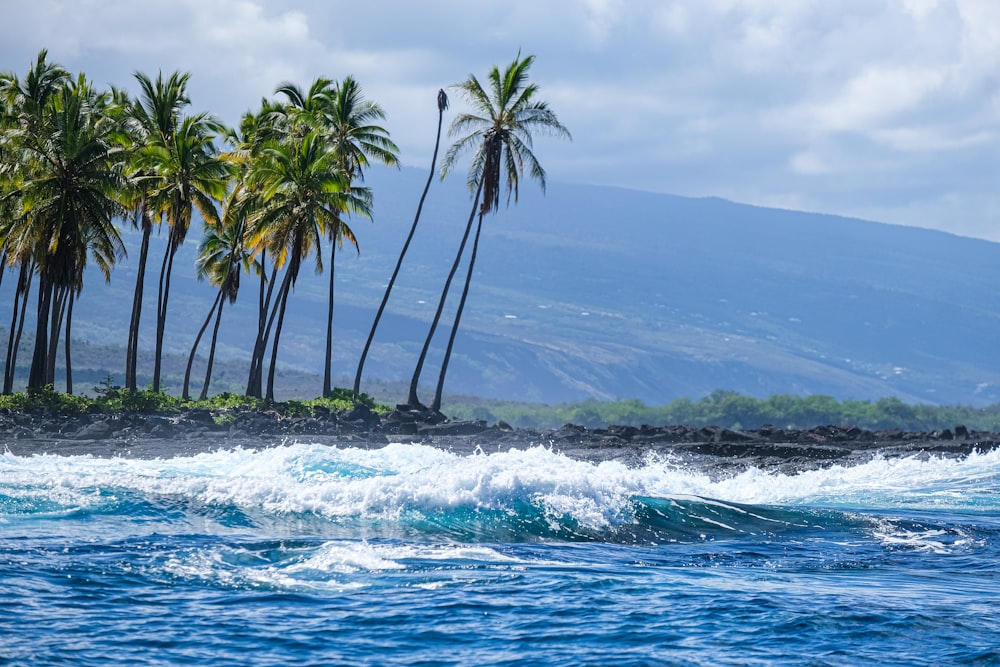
column 881, row 109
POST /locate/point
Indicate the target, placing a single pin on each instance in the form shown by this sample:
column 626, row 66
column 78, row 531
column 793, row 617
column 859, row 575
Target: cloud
column 884, row 109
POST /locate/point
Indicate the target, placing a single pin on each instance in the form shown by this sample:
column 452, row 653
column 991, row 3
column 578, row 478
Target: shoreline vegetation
column 722, row 410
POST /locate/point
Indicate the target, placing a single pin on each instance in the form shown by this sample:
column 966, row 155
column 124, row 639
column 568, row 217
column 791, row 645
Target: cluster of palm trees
column 77, row 162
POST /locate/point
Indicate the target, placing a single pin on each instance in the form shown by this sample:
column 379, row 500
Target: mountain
column 590, row 291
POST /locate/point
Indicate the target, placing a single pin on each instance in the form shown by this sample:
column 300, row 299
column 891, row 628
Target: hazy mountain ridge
column 596, row 291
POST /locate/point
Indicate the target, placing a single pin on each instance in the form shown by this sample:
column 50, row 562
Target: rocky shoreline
column 193, row 431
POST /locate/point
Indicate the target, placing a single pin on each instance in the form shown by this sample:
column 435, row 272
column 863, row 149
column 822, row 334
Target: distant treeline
column 732, row 410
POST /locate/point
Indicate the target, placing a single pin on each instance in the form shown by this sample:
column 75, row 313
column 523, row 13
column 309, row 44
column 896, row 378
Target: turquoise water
column 408, row 555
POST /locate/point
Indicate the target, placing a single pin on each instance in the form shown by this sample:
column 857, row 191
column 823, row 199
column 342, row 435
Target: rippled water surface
column 409, row 555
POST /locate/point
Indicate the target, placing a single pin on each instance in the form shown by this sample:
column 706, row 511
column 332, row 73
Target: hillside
column 604, row 292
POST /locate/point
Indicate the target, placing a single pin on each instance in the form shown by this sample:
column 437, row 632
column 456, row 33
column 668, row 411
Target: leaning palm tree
column 499, row 132
column 442, row 104
column 256, row 131
column 222, row 258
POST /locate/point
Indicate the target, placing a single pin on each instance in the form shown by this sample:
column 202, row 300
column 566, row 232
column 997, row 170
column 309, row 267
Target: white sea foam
column 384, row 484
column 334, row 566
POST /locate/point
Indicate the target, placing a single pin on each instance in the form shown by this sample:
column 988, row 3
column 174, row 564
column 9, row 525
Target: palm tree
column 356, row 141
column 302, row 113
column 187, row 174
column 72, row 174
column 442, row 103
column 153, row 120
column 24, row 107
column 222, row 258
column 256, row 131
column 499, row 131
column 301, row 193
column 344, row 120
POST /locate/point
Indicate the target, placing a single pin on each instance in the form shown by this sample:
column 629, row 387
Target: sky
column 886, row 110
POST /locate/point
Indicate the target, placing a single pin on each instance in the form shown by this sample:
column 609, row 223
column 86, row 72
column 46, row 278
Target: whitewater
column 408, row 554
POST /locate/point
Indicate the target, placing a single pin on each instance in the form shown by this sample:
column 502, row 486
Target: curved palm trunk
column 436, row 405
column 161, row 310
column 327, row 379
column 412, row 399
column 279, row 307
column 185, row 394
column 211, row 352
column 17, row 324
column 132, row 352
column 69, row 329
column 399, row 261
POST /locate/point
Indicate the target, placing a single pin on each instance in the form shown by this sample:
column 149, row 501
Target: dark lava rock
column 99, row 430
column 452, row 428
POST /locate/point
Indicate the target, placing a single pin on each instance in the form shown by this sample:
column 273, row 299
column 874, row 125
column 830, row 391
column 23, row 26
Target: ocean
column 304, row 554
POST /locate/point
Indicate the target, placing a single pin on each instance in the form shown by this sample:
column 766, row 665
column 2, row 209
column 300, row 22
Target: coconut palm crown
column 499, row 131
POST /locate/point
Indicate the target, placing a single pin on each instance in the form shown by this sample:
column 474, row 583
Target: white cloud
column 880, row 109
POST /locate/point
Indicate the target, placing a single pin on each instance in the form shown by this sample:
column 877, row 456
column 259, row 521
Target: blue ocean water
column 409, row 555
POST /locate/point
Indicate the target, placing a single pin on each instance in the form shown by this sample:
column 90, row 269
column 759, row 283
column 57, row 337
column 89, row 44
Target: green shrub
column 112, row 398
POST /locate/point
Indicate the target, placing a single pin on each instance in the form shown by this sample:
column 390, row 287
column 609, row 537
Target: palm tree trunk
column 36, row 376
column 279, row 306
column 132, row 353
column 436, row 405
column 17, row 324
column 55, row 326
column 194, row 348
column 412, row 400
column 255, row 381
column 402, row 254
column 161, row 311
column 211, row 352
column 69, row 328
column 327, row 379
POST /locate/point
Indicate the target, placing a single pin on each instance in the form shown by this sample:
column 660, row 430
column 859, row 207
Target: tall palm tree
column 275, row 123
column 357, row 141
column 68, row 202
column 301, row 193
column 24, row 104
column 442, row 104
column 188, row 174
column 345, row 121
column 152, row 120
column 499, row 132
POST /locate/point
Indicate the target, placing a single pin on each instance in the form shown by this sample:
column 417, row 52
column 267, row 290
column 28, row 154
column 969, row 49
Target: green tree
column 255, row 133
column 185, row 173
column 152, row 121
column 357, row 141
column 301, row 193
column 222, row 259
column 70, row 171
column 24, row 104
column 499, row 131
